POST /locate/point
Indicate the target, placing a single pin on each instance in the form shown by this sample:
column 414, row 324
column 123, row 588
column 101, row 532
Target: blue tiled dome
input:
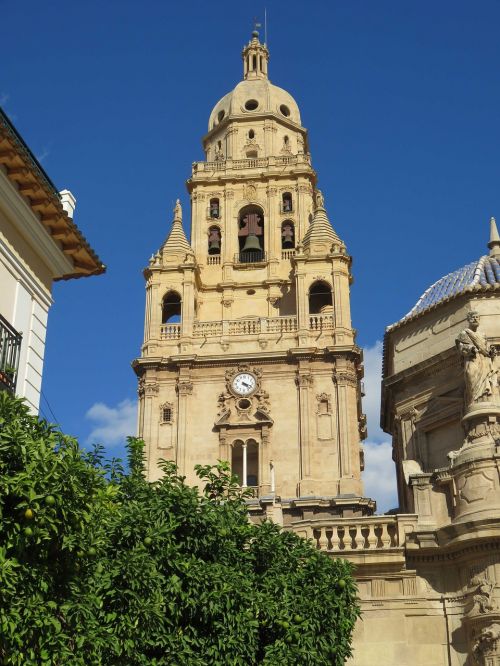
column 484, row 272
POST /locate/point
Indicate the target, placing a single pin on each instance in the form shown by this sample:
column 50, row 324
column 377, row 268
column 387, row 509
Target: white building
column 39, row 243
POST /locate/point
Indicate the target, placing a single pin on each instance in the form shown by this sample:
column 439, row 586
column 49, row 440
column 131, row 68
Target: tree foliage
column 99, row 567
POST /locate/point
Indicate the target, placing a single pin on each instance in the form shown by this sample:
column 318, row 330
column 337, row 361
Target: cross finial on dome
column 494, row 243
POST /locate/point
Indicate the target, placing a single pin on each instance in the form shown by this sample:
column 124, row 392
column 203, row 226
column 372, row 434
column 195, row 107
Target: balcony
column 10, row 348
column 269, row 163
column 247, row 326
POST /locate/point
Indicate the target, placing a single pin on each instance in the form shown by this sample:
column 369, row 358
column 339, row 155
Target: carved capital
column 184, row 387
column 304, row 380
column 147, row 389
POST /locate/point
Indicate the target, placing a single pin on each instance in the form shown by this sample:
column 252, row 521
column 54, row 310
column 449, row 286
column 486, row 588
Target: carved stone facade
column 249, row 347
column 245, row 300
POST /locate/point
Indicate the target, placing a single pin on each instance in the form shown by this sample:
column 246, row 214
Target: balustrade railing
column 207, row 329
column 213, row 260
column 250, row 257
column 371, row 533
column 251, row 163
column 170, row 331
column 249, row 326
column 287, row 254
column 320, row 322
column 10, row 349
column 244, row 326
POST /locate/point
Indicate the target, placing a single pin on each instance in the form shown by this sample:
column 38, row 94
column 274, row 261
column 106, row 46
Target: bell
column 286, row 240
column 251, row 244
column 214, row 247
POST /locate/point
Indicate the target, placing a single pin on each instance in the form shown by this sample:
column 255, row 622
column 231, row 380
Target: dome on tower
column 255, row 94
column 480, row 275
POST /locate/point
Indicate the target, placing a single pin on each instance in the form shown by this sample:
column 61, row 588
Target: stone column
column 304, row 382
column 245, row 472
column 148, row 400
column 346, row 386
column 184, row 390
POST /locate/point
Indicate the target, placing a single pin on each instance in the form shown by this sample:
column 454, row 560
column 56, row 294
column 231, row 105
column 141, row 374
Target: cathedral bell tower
column 249, row 353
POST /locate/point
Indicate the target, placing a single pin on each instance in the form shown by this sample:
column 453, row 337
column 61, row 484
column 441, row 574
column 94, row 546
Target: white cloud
column 43, row 155
column 4, row 98
column 380, row 475
column 112, row 424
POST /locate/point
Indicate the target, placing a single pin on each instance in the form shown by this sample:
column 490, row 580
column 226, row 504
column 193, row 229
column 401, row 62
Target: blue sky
column 401, row 100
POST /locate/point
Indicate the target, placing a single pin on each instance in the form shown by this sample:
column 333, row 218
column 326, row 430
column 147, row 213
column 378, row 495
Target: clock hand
column 245, row 384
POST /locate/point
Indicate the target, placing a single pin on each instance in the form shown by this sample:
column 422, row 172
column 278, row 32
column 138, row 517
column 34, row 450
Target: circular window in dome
column 285, row 110
column 220, row 115
column 251, row 104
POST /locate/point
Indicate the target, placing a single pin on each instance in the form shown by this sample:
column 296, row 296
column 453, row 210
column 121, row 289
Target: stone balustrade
column 321, row 322
column 249, row 326
column 170, row 331
column 362, row 534
column 252, row 163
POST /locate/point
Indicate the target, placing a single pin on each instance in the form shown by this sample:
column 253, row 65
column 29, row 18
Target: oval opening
column 285, row 110
column 251, row 134
column 251, row 104
column 244, row 404
column 250, row 292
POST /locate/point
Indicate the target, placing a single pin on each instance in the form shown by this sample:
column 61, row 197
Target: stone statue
column 483, row 601
column 481, row 381
column 487, row 643
column 320, row 200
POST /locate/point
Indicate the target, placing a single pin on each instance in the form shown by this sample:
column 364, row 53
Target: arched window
column 251, row 234
column 214, row 238
column 320, row 298
column 245, row 462
column 171, row 308
column 287, row 235
column 214, row 209
column 251, row 134
column 286, row 199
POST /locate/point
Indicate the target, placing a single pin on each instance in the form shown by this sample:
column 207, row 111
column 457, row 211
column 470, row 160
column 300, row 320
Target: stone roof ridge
column 320, row 228
column 176, row 240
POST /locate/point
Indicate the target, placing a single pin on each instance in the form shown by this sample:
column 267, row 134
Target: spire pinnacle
column 255, row 57
column 494, row 243
column 320, row 235
column 176, row 240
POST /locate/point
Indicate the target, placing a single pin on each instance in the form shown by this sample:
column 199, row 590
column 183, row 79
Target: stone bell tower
column 249, row 353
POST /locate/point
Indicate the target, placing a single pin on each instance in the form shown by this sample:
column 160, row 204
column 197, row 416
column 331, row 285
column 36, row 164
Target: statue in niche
column 478, row 358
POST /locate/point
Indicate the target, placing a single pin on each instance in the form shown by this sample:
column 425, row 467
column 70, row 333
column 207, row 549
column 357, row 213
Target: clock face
column 244, row 383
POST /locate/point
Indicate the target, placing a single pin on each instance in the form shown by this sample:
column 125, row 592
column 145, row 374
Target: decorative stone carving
column 482, row 600
column 146, row 388
column 249, row 192
column 304, row 380
column 481, row 380
column 486, row 645
column 319, row 199
column 184, row 387
column 321, row 399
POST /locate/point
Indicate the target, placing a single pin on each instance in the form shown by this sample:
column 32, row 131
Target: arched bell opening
column 214, row 240
column 251, row 234
column 286, row 201
column 320, row 298
column 214, row 208
column 171, row 311
column 287, row 235
column 245, row 462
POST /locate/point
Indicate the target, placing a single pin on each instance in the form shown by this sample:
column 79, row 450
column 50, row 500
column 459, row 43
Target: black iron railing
column 10, row 348
column 250, row 257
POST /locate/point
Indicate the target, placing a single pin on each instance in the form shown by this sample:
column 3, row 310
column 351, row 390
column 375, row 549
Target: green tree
column 99, row 567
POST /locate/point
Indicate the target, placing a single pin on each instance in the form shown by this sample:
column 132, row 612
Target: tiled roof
column 482, row 273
